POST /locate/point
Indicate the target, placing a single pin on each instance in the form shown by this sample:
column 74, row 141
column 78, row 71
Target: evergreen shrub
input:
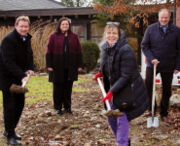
column 91, row 53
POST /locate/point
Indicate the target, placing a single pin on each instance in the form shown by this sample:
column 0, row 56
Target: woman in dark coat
column 63, row 61
column 121, row 79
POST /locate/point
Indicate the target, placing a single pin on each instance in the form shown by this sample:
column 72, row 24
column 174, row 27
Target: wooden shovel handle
column 154, row 90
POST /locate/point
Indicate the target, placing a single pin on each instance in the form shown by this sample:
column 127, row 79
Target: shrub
column 40, row 32
column 91, row 53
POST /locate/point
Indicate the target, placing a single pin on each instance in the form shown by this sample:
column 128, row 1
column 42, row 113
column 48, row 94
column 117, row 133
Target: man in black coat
column 16, row 62
column 161, row 46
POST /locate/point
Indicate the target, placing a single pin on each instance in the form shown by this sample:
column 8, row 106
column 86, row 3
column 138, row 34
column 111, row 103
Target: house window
column 80, row 30
column 96, row 33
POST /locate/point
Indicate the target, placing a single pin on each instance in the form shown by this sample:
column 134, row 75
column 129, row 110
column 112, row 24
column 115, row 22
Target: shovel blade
column 114, row 113
column 152, row 122
column 156, row 122
column 149, row 122
column 17, row 89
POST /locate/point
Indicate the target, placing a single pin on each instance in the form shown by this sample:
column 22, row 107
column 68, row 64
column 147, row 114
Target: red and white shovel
column 109, row 111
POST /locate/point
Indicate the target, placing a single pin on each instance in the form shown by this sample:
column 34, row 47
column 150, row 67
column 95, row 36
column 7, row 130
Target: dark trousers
column 166, row 88
column 13, row 105
column 62, row 94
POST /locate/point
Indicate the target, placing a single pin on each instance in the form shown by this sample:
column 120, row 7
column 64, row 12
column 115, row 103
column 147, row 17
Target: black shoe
column 5, row 133
column 129, row 142
column 12, row 141
column 17, row 137
column 68, row 111
column 59, row 112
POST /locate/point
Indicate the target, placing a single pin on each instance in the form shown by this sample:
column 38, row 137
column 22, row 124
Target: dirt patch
column 40, row 126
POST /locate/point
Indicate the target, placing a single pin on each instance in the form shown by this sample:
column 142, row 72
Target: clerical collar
column 24, row 38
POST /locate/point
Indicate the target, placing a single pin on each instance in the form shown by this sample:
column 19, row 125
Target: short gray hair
column 164, row 10
column 23, row 18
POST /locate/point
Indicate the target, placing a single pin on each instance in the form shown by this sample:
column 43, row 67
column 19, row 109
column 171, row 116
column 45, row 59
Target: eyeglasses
column 110, row 22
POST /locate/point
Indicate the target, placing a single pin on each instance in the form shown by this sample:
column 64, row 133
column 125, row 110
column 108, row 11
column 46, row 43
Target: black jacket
column 16, row 57
column 162, row 46
column 124, row 73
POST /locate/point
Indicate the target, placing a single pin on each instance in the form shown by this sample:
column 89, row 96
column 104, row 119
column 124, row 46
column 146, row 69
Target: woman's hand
column 99, row 74
column 108, row 97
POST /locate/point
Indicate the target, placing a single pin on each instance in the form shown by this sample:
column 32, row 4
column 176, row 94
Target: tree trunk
column 140, row 36
column 78, row 3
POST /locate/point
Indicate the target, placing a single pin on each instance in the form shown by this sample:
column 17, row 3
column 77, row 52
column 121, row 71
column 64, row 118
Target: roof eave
column 50, row 12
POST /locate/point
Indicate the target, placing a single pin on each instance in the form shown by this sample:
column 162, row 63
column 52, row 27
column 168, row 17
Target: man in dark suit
column 161, row 46
column 16, row 62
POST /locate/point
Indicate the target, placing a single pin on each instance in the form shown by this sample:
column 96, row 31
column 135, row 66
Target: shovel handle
column 154, row 90
column 104, row 94
column 24, row 83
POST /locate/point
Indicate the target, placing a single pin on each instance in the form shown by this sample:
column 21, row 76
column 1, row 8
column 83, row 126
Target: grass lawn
column 40, row 89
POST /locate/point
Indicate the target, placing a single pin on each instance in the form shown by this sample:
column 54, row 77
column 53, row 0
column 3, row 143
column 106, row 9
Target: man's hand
column 50, row 69
column 29, row 72
column 155, row 62
column 99, row 74
column 176, row 71
column 108, row 97
column 25, row 79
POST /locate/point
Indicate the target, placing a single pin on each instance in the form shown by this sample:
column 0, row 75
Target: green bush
column 91, row 53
